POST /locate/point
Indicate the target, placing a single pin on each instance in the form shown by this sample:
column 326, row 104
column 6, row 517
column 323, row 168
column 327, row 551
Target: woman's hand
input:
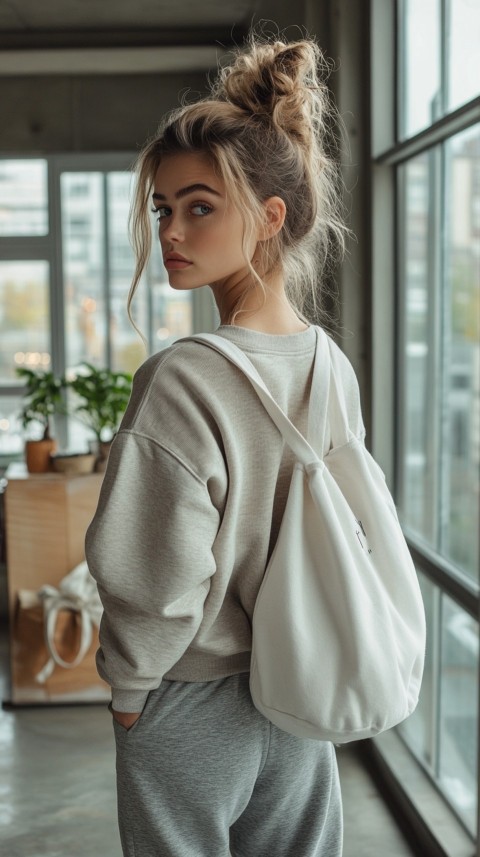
column 126, row 719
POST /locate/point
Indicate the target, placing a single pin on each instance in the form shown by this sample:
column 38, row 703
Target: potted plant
column 103, row 396
column 43, row 399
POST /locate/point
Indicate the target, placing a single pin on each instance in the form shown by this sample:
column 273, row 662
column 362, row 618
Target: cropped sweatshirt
column 191, row 505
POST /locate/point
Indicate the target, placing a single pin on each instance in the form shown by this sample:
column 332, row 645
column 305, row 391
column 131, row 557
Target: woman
column 198, row 476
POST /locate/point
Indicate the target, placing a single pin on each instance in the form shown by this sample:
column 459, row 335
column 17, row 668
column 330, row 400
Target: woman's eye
column 201, row 209
column 161, row 212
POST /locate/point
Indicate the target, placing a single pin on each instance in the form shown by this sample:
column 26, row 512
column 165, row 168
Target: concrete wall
column 343, row 24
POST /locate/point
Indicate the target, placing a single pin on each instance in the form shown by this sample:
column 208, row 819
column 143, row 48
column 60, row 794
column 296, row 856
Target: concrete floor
column 57, row 787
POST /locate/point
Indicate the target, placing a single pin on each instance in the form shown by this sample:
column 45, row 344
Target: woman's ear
column 275, row 210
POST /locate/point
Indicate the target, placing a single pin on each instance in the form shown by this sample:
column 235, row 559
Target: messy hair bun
column 266, row 125
column 278, row 81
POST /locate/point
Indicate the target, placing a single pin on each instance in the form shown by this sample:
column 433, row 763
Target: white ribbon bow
column 77, row 591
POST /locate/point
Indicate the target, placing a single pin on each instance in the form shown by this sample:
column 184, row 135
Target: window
column 438, row 59
column 431, row 152
column 23, row 195
column 65, row 274
column 11, row 432
column 24, row 316
column 439, row 360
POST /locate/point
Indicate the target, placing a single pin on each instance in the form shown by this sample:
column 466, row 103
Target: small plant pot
column 75, row 464
column 37, row 454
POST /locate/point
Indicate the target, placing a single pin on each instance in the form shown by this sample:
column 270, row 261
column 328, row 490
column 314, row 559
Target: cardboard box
column 47, row 515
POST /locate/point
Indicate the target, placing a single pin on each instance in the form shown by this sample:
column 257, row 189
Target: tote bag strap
column 305, row 451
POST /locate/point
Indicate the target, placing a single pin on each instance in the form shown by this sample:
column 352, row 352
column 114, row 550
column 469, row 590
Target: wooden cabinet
column 47, row 516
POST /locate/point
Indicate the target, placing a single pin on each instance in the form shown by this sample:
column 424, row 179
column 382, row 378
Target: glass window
column 11, row 430
column 162, row 314
column 416, row 190
column 97, row 268
column 459, row 711
column 84, row 268
column 440, row 348
column 436, row 289
column 426, row 93
column 127, row 349
column 23, row 197
column 460, row 500
column 418, row 729
column 171, row 310
column 98, row 265
column 420, row 59
column 24, row 317
column 464, row 46
column 442, row 731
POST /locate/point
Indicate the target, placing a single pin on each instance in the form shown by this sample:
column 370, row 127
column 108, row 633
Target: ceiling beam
column 225, row 37
column 76, row 61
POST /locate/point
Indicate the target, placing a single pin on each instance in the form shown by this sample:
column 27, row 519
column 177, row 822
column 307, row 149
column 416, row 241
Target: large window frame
column 390, row 148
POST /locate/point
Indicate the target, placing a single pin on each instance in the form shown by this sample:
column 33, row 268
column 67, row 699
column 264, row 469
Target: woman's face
column 200, row 231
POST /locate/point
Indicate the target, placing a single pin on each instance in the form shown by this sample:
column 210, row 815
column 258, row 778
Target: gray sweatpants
column 202, row 773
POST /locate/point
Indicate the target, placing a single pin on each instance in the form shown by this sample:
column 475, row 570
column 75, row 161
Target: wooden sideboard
column 46, row 517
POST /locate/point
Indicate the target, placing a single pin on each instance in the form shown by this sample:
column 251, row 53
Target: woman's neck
column 274, row 316
column 272, row 325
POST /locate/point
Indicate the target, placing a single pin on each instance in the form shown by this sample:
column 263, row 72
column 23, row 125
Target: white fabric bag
column 338, row 636
column 76, row 591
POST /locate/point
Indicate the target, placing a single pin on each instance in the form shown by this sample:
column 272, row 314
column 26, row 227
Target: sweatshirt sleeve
column 149, row 547
column 347, row 381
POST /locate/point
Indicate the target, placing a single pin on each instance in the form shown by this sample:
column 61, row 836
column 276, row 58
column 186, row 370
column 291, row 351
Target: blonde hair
column 266, row 126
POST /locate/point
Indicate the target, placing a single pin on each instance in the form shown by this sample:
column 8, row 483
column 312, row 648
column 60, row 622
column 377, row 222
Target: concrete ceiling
column 76, row 23
column 22, row 16
column 138, row 36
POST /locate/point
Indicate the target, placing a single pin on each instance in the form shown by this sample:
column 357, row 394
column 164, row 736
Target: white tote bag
column 339, row 625
column 76, row 591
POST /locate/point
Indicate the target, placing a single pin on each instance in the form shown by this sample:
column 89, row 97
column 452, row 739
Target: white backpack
column 338, row 636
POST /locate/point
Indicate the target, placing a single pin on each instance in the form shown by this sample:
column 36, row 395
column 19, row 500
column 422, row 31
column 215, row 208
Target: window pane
column 417, row 729
column 416, row 185
column 459, row 711
column 460, row 507
column 420, row 51
column 442, row 732
column 172, row 314
column 83, row 237
column 128, row 350
column 23, row 197
column 98, row 263
column 24, row 317
column 11, row 431
column 171, row 309
column 162, row 314
column 464, row 44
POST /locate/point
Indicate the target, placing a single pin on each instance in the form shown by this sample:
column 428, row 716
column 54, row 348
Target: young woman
column 198, row 476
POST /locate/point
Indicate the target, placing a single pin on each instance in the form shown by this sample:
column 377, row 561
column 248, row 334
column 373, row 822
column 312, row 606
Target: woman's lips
column 174, row 261
column 176, row 264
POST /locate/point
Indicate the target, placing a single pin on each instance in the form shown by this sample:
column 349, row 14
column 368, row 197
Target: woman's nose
column 173, row 229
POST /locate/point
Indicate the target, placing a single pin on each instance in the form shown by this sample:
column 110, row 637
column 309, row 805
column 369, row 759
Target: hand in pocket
column 126, row 719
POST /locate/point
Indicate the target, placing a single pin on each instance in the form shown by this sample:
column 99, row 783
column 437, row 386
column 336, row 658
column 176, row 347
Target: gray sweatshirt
column 190, row 509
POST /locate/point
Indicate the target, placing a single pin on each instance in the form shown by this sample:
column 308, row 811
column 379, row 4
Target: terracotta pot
column 37, row 454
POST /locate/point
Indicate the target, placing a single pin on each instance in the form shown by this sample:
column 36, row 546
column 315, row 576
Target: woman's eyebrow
column 184, row 191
